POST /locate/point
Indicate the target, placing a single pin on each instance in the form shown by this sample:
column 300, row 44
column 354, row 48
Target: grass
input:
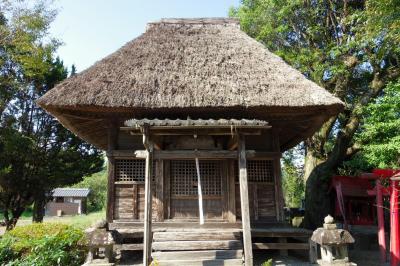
column 80, row 221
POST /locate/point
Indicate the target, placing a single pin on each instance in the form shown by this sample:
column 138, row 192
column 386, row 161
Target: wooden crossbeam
column 188, row 154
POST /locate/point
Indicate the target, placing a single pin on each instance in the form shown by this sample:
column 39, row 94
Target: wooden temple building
column 194, row 115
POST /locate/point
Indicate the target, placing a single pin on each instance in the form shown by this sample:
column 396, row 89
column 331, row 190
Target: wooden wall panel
column 123, row 207
column 129, row 202
column 266, row 202
column 261, row 201
column 181, row 209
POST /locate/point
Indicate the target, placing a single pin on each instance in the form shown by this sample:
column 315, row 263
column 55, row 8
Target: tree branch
column 351, row 151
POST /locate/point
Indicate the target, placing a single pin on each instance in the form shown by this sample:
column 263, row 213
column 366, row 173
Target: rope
column 199, row 192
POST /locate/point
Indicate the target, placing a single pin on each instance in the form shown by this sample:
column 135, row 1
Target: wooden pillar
column 147, row 234
column 112, row 140
column 278, row 177
column 244, row 201
column 159, row 190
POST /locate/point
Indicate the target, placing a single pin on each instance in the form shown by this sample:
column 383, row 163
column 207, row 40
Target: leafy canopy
column 380, row 133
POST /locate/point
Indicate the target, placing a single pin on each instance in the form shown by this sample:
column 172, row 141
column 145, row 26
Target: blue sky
column 92, row 29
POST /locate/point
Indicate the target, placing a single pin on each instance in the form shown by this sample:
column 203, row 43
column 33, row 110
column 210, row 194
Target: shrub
column 43, row 244
column 267, row 263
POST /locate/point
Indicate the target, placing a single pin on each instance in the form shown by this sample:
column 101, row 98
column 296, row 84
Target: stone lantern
column 333, row 242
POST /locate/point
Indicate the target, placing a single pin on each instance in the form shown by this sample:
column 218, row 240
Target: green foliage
column 97, row 183
column 37, row 153
column 267, row 263
column 384, row 16
column 292, row 181
column 380, row 133
column 42, row 245
column 24, row 49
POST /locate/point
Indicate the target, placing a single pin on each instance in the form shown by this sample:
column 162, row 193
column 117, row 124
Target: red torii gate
column 361, row 186
column 393, row 190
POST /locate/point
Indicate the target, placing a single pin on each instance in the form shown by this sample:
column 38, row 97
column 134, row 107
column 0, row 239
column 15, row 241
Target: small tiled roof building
column 68, row 201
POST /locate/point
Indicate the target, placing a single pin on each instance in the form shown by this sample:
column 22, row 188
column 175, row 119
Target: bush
column 267, row 263
column 43, row 244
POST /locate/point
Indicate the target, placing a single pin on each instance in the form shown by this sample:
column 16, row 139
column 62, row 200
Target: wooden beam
column 112, row 140
column 147, row 234
column 190, row 154
column 140, row 154
column 244, row 201
column 211, row 154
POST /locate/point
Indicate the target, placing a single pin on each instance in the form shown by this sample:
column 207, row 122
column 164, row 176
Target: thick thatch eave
column 183, row 67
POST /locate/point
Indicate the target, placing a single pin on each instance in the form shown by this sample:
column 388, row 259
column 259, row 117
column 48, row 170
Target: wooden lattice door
column 184, row 191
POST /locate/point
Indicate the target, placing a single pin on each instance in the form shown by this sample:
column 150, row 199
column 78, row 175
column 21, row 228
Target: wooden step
column 217, row 262
column 197, row 245
column 287, row 246
column 185, row 236
column 138, row 246
column 198, row 254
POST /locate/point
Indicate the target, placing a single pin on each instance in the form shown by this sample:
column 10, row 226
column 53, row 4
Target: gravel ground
column 361, row 258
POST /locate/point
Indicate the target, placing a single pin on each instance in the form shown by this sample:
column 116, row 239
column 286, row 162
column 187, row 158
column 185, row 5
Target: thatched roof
column 188, row 66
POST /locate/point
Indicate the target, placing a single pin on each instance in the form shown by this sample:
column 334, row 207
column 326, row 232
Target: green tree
column 37, row 153
column 292, row 180
column 379, row 134
column 24, row 46
column 97, row 183
column 347, row 47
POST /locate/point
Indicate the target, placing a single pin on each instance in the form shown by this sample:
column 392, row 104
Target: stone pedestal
column 99, row 238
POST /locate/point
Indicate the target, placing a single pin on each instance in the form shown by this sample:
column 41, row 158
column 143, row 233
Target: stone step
column 98, row 262
column 198, row 254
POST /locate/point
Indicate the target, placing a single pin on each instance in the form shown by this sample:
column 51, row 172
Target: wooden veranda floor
column 196, row 237
column 258, row 229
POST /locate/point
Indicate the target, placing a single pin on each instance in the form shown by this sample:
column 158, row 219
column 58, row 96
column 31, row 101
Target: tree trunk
column 38, row 210
column 12, row 222
column 317, row 185
column 310, row 163
column 317, row 197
